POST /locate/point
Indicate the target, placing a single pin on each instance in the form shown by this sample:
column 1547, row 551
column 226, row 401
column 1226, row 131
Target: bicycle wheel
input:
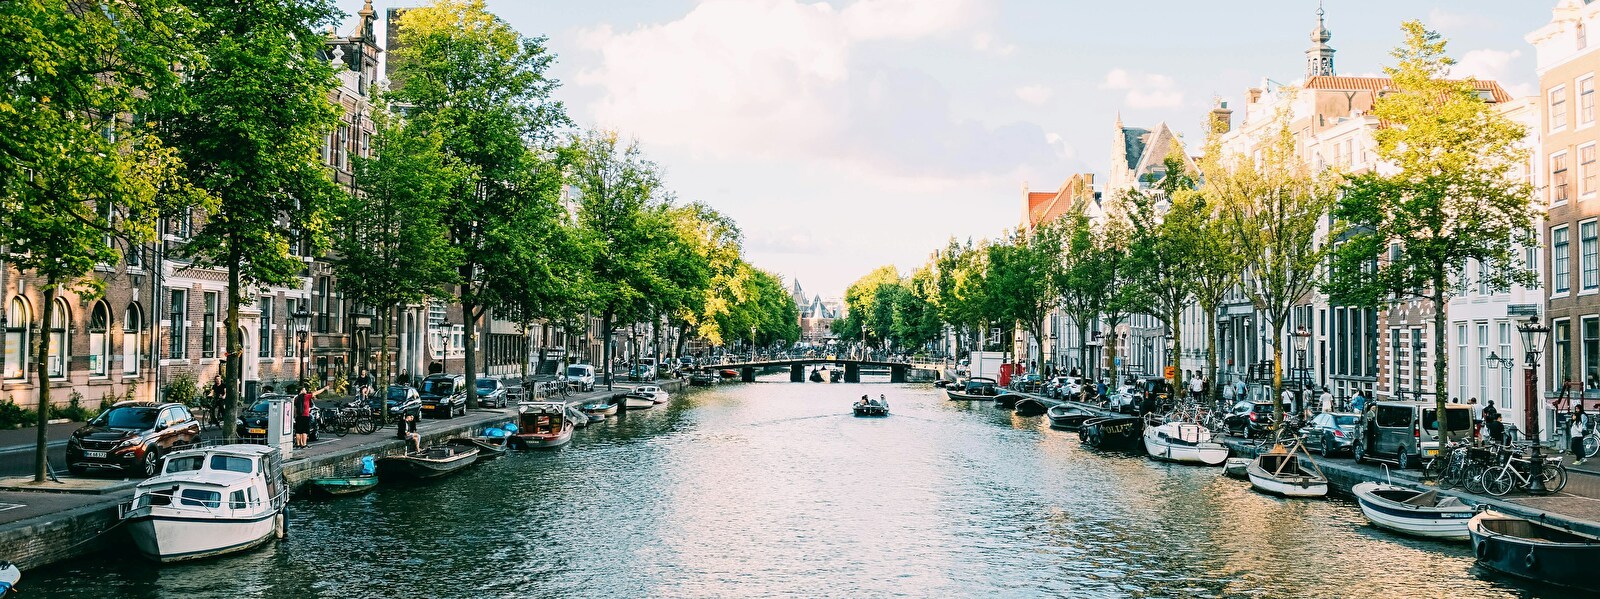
column 336, row 424
column 1591, row 446
column 1472, row 478
column 1555, row 477
column 1498, row 481
column 365, row 424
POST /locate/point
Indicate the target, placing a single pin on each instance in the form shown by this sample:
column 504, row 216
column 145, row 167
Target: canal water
column 773, row 489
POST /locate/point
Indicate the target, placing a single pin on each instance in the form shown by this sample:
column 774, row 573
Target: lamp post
column 752, row 343
column 1417, row 345
column 302, row 330
column 1533, row 335
column 1302, row 341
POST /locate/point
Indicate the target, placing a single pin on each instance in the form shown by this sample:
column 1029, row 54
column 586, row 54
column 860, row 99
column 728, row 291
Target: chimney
column 1255, row 94
column 1221, row 118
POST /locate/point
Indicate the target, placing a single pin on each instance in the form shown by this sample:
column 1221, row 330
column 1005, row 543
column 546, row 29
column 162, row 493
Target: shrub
column 182, row 388
column 13, row 415
column 74, row 410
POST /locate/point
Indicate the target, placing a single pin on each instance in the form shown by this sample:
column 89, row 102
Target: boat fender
column 1483, row 550
column 1529, row 561
column 282, row 524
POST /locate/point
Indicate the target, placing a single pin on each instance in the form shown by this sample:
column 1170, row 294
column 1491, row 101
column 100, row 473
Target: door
column 1394, row 429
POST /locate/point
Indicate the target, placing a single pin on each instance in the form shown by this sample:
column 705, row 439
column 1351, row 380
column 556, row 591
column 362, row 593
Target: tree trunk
column 605, row 347
column 470, row 312
column 42, row 360
column 1277, row 370
column 1441, row 386
column 235, row 369
column 1083, row 352
column 1177, row 352
column 1110, row 343
column 1212, row 376
column 381, row 390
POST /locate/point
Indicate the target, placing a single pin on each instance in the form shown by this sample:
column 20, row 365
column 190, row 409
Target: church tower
column 1319, row 59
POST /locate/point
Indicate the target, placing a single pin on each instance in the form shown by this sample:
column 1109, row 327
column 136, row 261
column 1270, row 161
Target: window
column 264, row 333
column 290, row 306
column 1530, row 260
column 1483, row 362
column 1591, row 352
column 1563, row 348
column 1560, row 260
column 1461, row 361
column 1586, row 170
column 58, row 352
column 1558, row 177
column 1558, row 108
column 236, row 500
column 179, row 326
column 200, row 498
column 1583, row 37
column 99, row 339
column 208, row 327
column 1586, row 100
column 18, row 317
column 1505, row 373
column 132, row 327
column 1589, row 252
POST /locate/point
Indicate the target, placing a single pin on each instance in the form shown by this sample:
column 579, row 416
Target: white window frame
column 1557, row 96
column 1585, row 112
column 1560, row 179
column 1560, row 260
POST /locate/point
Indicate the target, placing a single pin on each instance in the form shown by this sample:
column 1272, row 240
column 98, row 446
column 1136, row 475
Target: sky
column 847, row 134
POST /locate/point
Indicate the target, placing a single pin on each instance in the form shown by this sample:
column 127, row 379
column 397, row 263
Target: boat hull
column 1297, row 483
column 168, row 539
column 407, row 466
column 346, row 486
column 873, row 411
column 487, row 449
column 959, row 396
column 1179, row 443
column 1236, row 468
column 543, row 441
column 1113, row 432
column 638, row 403
column 1029, row 406
column 1445, row 523
column 1067, row 418
column 1007, row 400
column 1545, row 554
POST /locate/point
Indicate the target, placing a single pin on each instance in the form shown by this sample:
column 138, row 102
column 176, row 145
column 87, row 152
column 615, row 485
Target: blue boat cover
column 368, row 466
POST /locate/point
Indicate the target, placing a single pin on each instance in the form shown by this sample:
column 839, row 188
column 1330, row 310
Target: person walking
column 1577, row 427
column 1359, row 404
column 1493, row 425
column 1477, row 417
column 1326, row 399
column 1197, row 388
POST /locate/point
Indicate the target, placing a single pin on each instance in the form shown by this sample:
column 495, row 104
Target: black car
column 132, row 436
column 1331, row 432
column 1249, row 418
column 252, row 427
column 491, row 393
column 444, row 395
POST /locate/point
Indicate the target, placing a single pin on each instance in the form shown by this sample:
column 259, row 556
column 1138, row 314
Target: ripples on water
column 774, row 490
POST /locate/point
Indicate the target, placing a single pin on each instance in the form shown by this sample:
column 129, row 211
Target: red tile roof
column 1376, row 84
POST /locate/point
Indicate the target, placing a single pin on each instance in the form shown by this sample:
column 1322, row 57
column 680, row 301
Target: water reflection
column 773, row 489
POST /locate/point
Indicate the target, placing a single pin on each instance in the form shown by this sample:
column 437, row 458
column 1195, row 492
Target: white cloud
column 1444, row 20
column 1496, row 65
column 1144, row 90
column 984, row 42
column 1034, row 94
column 775, row 78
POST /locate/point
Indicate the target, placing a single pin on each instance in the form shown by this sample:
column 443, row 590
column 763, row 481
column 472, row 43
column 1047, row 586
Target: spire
column 1319, row 58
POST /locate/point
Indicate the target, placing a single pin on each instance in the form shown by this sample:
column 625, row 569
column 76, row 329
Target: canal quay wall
column 59, row 526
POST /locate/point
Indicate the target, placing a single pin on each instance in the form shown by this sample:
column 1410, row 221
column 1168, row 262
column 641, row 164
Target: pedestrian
column 1227, row 394
column 406, row 430
column 1369, row 426
column 1326, row 399
column 1477, row 417
column 1288, row 399
column 1197, row 387
column 1494, row 425
column 1239, row 390
column 303, row 403
column 1359, row 404
column 1577, row 427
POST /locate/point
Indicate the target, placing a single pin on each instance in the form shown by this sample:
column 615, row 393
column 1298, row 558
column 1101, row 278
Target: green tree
column 1164, row 244
column 862, row 320
column 1451, row 199
column 1215, row 253
column 78, row 174
column 717, row 240
column 1025, row 277
column 469, row 77
column 248, row 121
column 392, row 248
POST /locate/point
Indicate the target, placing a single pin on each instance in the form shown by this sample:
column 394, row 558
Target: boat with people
column 1067, row 417
column 659, row 395
column 1030, row 406
column 974, row 389
column 209, row 501
column 872, row 407
column 544, row 424
column 1535, row 550
column 432, row 462
column 1413, row 511
column 632, row 401
column 1184, row 442
column 1112, row 432
column 599, row 409
column 1286, row 472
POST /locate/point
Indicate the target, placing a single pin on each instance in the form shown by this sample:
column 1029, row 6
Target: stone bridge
column 852, row 368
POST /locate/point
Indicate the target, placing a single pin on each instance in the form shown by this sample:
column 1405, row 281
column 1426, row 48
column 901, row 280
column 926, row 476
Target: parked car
column 1027, row 383
column 444, row 395
column 491, row 393
column 1331, row 432
column 252, row 425
column 643, row 371
column 580, row 376
column 1407, row 431
column 1156, row 388
column 1249, row 418
column 131, row 436
column 1125, row 400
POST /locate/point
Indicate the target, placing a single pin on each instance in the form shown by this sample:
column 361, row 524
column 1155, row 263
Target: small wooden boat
column 1184, row 442
column 1287, row 473
column 1112, row 432
column 1535, row 551
column 728, row 373
column 432, row 462
column 975, row 389
column 1008, row 400
column 1237, row 468
column 329, row 487
column 10, row 574
column 599, row 410
column 488, row 447
column 637, row 402
column 1067, row 417
column 543, row 425
column 872, row 407
column 1412, row 511
column 578, row 418
column 1030, row 406
column 940, row 384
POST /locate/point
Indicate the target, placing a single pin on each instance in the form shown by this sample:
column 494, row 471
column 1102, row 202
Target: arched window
column 132, row 335
column 60, row 352
column 99, row 339
column 18, row 317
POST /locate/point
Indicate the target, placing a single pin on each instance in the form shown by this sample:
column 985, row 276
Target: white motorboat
column 653, row 392
column 1412, row 511
column 1284, row 472
column 9, row 575
column 1237, row 468
column 1183, row 442
column 209, row 501
column 634, row 401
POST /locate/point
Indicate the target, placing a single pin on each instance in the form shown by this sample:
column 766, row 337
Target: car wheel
column 1327, row 449
column 147, row 466
column 1359, row 452
column 1405, row 460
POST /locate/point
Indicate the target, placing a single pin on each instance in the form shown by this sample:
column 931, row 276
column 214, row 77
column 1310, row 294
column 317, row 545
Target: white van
column 580, row 376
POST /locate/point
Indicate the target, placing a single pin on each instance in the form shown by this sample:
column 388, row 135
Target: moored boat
column 1067, row 417
column 329, row 487
column 975, row 389
column 1184, row 442
column 659, row 395
column 488, row 447
column 1030, row 406
column 1284, row 472
column 432, row 462
column 1413, row 511
column 578, row 418
column 10, row 574
column 209, row 502
column 544, row 425
column 1237, row 468
column 1528, row 549
column 637, row 402
column 728, row 373
column 1007, row 399
column 1112, row 432
column 599, row 409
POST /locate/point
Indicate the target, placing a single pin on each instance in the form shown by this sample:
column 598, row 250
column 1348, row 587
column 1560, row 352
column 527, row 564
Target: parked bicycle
column 1514, row 472
column 353, row 416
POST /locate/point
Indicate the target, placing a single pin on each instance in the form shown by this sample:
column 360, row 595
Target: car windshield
column 486, row 384
column 260, row 406
column 1458, row 419
column 127, row 417
column 439, row 386
column 1344, row 420
column 577, row 371
column 397, row 393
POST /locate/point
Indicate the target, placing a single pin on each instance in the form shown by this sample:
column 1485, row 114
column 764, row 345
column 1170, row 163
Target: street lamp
column 752, row 343
column 1302, row 342
column 1533, row 335
column 302, row 330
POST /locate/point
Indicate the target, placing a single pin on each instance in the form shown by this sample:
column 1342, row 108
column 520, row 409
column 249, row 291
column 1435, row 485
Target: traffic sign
column 1169, row 372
